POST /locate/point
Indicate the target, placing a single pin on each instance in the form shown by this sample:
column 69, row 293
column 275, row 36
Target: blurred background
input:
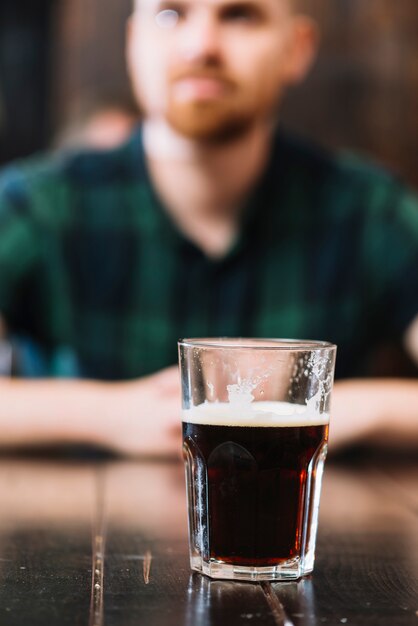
column 61, row 60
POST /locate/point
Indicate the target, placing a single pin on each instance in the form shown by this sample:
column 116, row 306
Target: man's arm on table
column 377, row 411
column 143, row 416
column 138, row 417
column 380, row 412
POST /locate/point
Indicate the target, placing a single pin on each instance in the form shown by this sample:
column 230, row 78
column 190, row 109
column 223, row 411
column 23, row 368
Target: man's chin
column 208, row 126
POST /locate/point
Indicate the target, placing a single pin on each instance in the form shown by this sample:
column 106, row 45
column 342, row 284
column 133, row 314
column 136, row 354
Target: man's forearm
column 397, row 411
column 135, row 417
column 142, row 416
column 375, row 411
column 42, row 412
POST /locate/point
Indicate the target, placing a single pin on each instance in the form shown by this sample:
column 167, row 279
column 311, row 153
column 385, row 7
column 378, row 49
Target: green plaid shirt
column 94, row 274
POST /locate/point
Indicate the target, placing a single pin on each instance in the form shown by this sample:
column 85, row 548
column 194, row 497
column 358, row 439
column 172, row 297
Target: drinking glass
column 255, row 431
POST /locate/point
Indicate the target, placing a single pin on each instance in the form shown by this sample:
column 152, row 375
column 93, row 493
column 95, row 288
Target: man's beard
column 210, row 121
column 217, row 119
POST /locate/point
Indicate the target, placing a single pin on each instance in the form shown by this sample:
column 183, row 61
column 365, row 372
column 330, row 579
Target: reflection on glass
column 209, row 601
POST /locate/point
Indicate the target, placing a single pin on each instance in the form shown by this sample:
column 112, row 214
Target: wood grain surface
column 105, row 544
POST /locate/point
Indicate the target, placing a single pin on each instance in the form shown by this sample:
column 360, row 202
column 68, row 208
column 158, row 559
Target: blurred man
column 207, row 222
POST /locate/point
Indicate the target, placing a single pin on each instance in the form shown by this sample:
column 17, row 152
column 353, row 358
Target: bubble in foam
column 240, row 393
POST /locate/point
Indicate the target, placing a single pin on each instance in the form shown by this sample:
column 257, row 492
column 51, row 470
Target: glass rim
column 238, row 343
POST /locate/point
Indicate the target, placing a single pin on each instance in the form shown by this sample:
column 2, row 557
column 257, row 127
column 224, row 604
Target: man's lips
column 199, row 88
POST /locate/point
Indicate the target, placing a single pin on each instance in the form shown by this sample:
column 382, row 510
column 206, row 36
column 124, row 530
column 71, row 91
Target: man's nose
column 200, row 39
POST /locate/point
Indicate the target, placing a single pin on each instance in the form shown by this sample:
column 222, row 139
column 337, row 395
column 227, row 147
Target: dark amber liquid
column 255, row 489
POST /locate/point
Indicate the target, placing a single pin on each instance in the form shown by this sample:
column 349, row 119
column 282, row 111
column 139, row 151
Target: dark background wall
column 362, row 94
column 24, row 76
column 363, row 91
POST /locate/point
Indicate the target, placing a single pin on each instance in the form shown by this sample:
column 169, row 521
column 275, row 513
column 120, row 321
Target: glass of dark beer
column 255, row 431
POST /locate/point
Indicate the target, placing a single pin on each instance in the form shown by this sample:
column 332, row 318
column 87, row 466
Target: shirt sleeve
column 390, row 252
column 20, row 245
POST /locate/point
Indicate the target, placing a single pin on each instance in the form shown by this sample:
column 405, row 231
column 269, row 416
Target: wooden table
column 94, row 542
